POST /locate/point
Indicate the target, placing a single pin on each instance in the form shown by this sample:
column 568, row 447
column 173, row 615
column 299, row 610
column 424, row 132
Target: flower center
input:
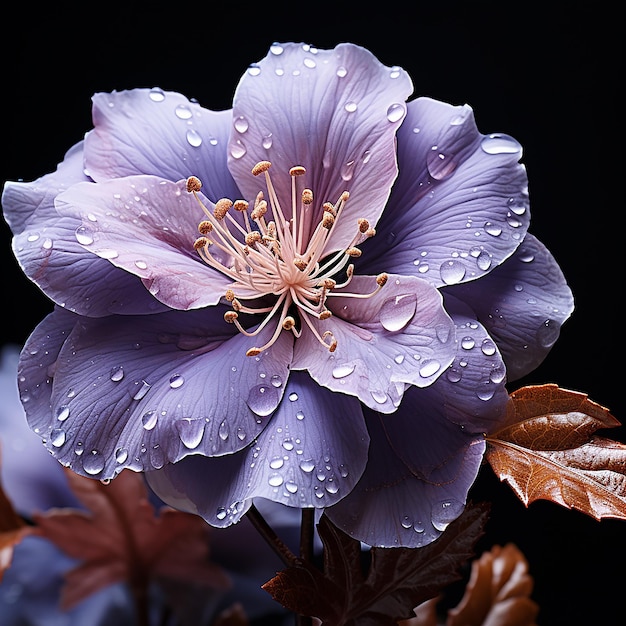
column 271, row 258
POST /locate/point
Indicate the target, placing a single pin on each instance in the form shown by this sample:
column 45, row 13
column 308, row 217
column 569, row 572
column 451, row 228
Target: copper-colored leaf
column 498, row 592
column 122, row 539
column 547, row 450
column 398, row 579
column 12, row 530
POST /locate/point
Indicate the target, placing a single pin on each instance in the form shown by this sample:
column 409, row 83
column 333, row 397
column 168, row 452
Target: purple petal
column 460, row 204
column 420, row 468
column 523, row 304
column 27, row 203
column 151, row 131
column 400, row 335
column 336, row 113
column 302, row 459
column 147, row 226
column 142, row 391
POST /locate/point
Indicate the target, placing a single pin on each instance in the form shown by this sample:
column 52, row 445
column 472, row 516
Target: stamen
column 271, row 260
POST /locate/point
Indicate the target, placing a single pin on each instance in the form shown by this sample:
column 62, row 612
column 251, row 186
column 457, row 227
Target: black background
column 548, row 75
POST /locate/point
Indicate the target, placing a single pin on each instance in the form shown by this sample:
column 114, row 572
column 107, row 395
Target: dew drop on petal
column 263, row 399
column 93, row 463
column 220, row 513
column 467, row 343
column 57, row 437
column 291, row 487
column 121, row 455
column 343, row 370
column 63, row 412
column 117, row 373
column 429, row 368
column 157, row 95
column 149, row 419
column 307, row 465
column 351, row 107
column 176, row 381
column 193, row 138
column 445, row 512
column 142, row 389
column 379, row 396
column 277, row 463
column 395, row 112
column 237, row 150
column 190, row 430
column 83, row 236
column 452, row 272
column 183, row 112
column 498, row 143
column 223, row 431
column 397, row 312
column 275, row 480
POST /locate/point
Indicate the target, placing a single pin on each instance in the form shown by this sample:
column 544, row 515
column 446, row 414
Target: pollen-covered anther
column 230, row 316
column 236, row 304
column 332, row 345
column 221, row 208
column 301, row 264
column 205, row 227
column 240, row 205
column 325, row 314
column 353, row 252
column 297, row 170
column 307, row 196
column 382, row 279
column 201, row 242
column 260, row 167
column 253, row 352
column 329, row 208
column 253, row 238
column 259, row 210
column 363, row 225
column 229, row 295
column 329, row 283
column 193, row 184
column 328, row 220
column 289, row 323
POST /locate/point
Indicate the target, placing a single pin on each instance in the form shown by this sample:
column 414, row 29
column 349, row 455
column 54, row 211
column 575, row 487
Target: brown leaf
column 498, row 592
column 397, row 580
column 122, row 539
column 12, row 530
column 547, row 451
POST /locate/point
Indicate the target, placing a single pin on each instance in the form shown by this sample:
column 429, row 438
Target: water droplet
column 267, row 141
column 254, row 69
column 79, row 448
column 288, row 444
column 83, row 235
column 277, row 462
column 486, row 392
column 291, row 487
column 142, row 389
column 310, row 63
column 149, row 419
column 307, row 465
column 454, row 375
column 483, row 261
column 117, row 373
column 93, row 463
column 190, row 431
column 343, row 370
column 397, row 312
column 222, row 431
column 63, row 412
column 142, row 265
column 241, row 124
column 406, row 522
column 439, row 165
column 237, row 149
column 193, row 138
column 220, row 513
column 176, row 381
column 497, row 375
column 121, row 455
column 275, row 480
column 429, row 368
column 452, row 272
column 341, row 71
column 57, row 437
column 467, row 343
column 157, row 456
column 156, row 95
column 293, row 396
column 276, row 381
column 351, row 107
column 395, row 112
column 548, row 333
column 300, row 415
column 488, row 347
column 263, row 399
column 492, row 229
column 498, row 143
column 445, row 512
column 399, row 359
column 183, row 112
column 379, row 396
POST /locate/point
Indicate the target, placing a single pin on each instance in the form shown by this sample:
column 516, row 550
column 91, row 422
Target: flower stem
column 306, row 535
column 266, row 531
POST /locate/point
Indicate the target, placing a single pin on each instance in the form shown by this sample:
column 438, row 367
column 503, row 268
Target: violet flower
column 339, row 333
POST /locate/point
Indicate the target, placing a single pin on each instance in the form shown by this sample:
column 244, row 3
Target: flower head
column 316, row 297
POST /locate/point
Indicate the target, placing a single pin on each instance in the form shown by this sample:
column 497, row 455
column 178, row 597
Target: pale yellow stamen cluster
column 271, row 258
